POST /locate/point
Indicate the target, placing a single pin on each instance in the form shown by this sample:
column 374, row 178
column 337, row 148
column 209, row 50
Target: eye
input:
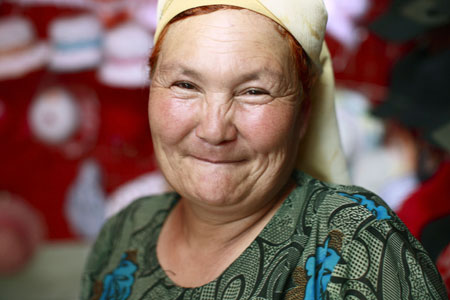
column 256, row 92
column 184, row 85
column 254, row 95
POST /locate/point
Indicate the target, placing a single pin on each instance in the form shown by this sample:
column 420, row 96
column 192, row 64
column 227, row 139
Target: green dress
column 324, row 242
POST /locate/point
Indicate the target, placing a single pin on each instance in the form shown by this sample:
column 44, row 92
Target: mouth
column 217, row 161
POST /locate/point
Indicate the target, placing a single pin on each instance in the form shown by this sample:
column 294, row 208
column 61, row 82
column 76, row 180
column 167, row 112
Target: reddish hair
column 301, row 60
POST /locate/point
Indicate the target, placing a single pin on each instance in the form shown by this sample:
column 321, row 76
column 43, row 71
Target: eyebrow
column 181, row 69
column 191, row 72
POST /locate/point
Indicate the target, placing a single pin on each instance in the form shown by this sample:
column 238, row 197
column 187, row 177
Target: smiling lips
column 217, row 160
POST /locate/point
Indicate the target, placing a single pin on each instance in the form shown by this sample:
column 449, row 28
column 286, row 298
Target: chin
column 217, row 188
column 215, row 200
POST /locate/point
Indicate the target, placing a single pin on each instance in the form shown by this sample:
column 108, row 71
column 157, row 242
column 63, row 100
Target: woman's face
column 224, row 108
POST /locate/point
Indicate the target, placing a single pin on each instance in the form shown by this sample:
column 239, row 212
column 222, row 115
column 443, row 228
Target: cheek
column 170, row 120
column 269, row 128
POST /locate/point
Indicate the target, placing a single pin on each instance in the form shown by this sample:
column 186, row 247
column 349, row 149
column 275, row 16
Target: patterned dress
column 324, row 242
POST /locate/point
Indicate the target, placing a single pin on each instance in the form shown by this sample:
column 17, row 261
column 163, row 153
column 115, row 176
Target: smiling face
column 224, row 108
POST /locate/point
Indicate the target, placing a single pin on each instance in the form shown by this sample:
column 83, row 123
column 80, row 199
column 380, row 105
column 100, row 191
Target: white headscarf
column 320, row 153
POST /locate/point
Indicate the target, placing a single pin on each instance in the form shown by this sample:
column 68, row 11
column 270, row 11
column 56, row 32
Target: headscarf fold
column 320, row 152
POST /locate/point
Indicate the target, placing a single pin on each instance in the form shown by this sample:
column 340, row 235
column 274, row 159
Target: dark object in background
column 419, row 95
column 419, row 92
column 436, row 236
column 408, row 19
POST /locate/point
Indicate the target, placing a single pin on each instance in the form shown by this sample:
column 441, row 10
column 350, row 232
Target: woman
column 232, row 89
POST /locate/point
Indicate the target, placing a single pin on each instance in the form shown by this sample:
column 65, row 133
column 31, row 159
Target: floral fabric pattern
column 117, row 285
column 380, row 212
column 324, row 242
column 320, row 267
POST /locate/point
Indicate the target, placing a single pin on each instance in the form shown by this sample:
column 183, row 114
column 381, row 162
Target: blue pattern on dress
column 319, row 269
column 380, row 212
column 117, row 284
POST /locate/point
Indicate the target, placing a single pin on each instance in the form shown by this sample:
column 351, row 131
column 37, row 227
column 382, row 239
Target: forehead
column 242, row 34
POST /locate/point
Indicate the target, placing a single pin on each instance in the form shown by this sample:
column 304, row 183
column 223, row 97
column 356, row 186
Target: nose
column 215, row 125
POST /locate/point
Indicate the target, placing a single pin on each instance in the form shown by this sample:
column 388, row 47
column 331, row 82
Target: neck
column 206, row 227
column 206, row 233
column 210, row 237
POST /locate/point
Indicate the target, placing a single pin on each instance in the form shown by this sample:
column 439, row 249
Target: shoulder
column 120, row 227
column 353, row 215
column 347, row 208
column 136, row 215
column 118, row 233
column 358, row 246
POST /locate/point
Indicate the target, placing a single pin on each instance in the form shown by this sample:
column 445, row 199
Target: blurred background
column 75, row 146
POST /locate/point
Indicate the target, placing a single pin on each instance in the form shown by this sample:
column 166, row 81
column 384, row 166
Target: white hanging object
column 76, row 43
column 127, row 48
column 342, row 20
column 85, row 203
column 20, row 50
column 144, row 12
column 54, row 116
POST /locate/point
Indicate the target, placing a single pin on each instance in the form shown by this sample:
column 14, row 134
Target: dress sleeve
column 97, row 259
column 384, row 261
